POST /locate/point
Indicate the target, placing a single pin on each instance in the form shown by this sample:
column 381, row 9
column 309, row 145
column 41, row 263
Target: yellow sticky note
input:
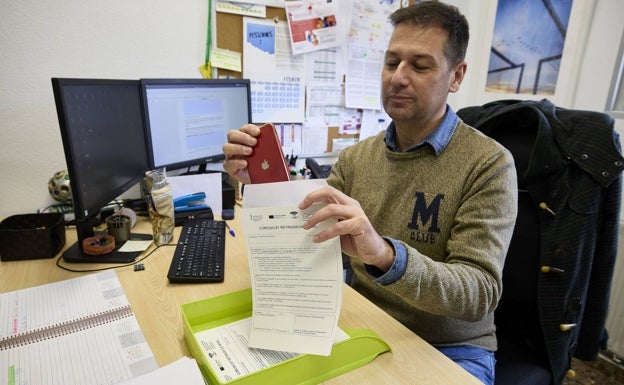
column 206, row 70
column 226, row 59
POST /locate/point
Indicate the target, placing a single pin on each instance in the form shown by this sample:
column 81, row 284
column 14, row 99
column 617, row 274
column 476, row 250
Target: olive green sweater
column 455, row 213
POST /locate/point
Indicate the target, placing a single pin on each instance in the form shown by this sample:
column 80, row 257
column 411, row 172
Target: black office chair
column 554, row 301
column 522, row 357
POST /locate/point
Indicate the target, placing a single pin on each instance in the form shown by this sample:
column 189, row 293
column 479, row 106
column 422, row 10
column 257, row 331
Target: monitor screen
column 101, row 123
column 187, row 120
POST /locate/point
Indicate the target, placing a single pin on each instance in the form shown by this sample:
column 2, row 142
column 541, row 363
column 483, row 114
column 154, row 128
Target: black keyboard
column 200, row 253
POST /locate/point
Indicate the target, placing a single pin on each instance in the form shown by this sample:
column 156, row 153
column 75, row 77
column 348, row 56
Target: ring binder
column 64, row 328
column 87, row 318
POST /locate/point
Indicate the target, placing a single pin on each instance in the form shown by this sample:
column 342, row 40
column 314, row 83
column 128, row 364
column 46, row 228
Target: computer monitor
column 101, row 123
column 187, row 120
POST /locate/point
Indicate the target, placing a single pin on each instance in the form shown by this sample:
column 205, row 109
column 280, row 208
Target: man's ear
column 457, row 76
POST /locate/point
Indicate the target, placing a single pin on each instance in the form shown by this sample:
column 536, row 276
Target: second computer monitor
column 187, row 120
column 101, row 125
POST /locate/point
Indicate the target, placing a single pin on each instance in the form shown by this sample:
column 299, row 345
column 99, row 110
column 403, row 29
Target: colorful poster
column 312, row 24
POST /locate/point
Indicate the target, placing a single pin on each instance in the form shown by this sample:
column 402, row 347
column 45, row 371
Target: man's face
column 416, row 76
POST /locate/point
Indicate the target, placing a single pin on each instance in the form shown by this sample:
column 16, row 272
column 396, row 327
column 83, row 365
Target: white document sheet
column 227, row 351
column 280, row 193
column 296, row 283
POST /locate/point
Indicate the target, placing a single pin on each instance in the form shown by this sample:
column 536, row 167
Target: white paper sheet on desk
column 296, row 283
column 225, row 348
column 183, row 371
column 209, row 183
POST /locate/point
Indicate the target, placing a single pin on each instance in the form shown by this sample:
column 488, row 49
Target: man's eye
column 391, row 64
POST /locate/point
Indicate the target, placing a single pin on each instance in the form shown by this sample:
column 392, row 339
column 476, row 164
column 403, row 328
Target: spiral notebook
column 77, row 331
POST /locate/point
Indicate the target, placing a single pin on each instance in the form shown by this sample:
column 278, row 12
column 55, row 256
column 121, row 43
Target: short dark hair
column 434, row 13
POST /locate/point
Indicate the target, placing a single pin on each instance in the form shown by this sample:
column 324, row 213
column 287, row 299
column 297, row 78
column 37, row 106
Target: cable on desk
column 58, row 260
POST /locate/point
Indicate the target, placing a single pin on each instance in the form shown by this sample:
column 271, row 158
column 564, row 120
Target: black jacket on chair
column 558, row 271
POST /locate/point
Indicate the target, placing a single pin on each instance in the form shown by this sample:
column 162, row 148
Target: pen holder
column 301, row 174
column 299, row 177
column 119, row 227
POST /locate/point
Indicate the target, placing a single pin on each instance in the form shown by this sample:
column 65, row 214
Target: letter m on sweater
column 426, row 214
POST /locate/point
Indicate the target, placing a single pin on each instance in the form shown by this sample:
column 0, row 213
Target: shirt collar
column 438, row 139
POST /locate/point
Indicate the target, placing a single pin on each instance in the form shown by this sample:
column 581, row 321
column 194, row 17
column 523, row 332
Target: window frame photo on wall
column 615, row 101
column 510, row 49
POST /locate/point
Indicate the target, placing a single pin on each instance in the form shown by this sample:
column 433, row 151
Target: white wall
column 158, row 38
column 42, row 39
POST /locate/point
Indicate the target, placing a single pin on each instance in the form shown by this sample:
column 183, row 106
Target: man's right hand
column 239, row 146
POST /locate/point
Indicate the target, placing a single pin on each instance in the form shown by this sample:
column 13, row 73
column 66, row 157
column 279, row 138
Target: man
column 426, row 209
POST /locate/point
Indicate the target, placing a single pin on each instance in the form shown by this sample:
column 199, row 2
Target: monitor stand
column 203, row 169
column 74, row 253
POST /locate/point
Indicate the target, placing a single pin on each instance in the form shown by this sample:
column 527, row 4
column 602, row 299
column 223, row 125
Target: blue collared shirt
column 438, row 140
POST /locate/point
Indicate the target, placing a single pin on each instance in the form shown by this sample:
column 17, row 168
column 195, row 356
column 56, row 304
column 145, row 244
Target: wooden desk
column 156, row 304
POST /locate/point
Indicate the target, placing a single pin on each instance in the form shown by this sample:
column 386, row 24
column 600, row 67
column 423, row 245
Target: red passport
column 266, row 163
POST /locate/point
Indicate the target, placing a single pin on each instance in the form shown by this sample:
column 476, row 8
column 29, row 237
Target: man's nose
column 399, row 77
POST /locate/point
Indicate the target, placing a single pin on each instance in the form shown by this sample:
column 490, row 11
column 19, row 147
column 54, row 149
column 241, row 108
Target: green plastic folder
column 362, row 346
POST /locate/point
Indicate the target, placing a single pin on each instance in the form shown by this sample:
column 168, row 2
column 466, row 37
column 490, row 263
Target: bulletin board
column 228, row 28
column 229, row 31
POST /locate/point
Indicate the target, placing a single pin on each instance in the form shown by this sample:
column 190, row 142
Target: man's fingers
column 325, row 194
column 241, row 137
column 234, row 151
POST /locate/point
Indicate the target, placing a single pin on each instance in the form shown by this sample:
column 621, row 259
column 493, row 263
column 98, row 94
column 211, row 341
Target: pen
column 232, row 233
